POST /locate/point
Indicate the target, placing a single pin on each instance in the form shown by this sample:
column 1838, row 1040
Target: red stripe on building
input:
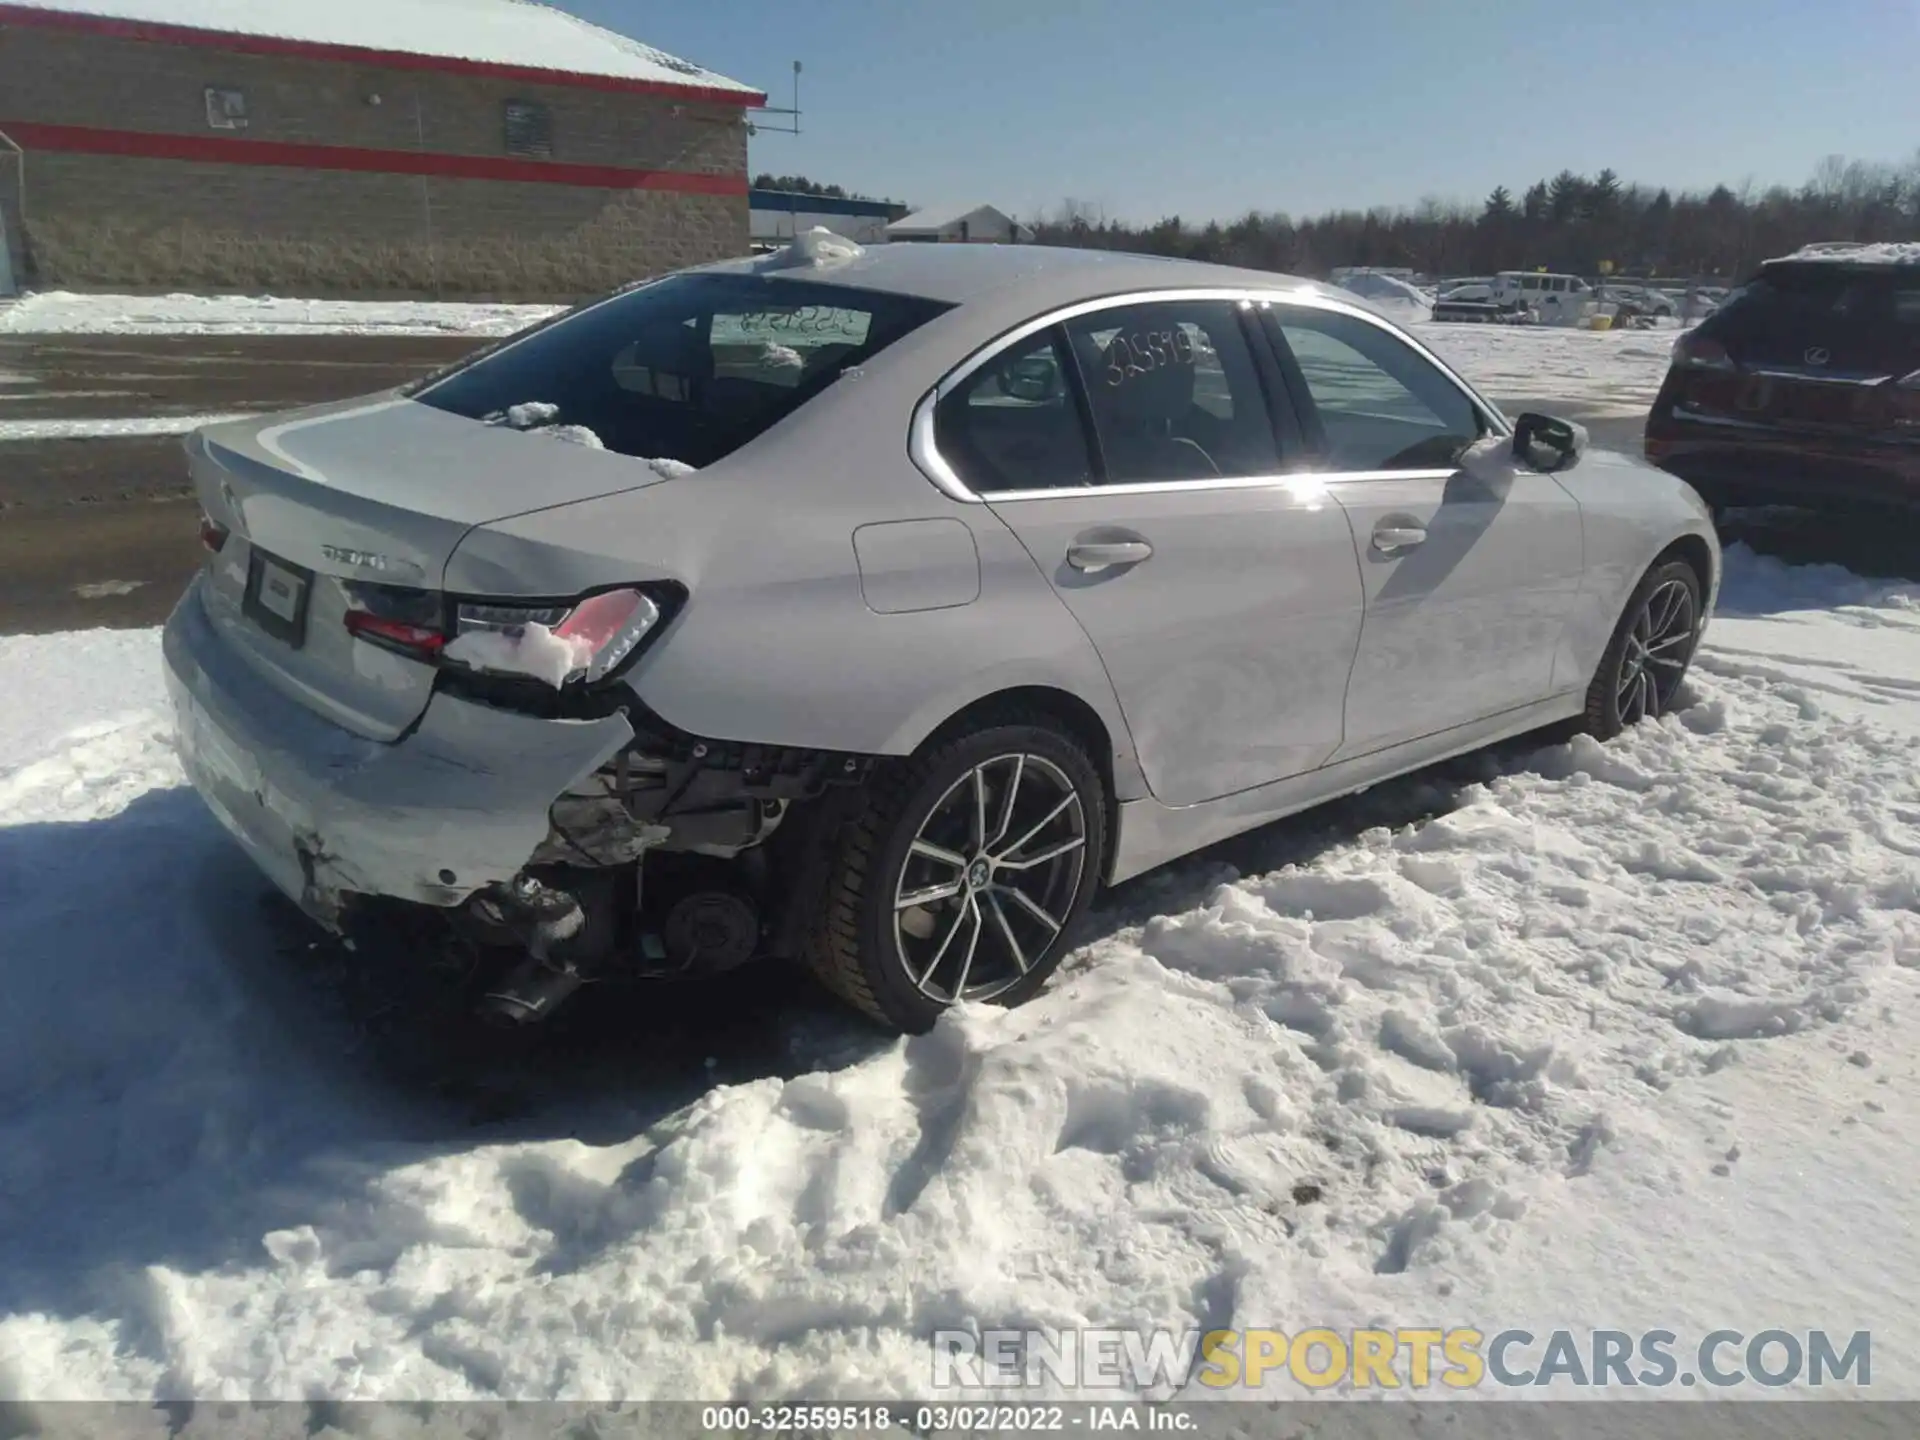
column 225, row 150
column 160, row 34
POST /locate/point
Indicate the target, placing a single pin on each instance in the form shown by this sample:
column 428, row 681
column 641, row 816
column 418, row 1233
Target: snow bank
column 58, row 312
column 811, row 250
column 1618, row 1036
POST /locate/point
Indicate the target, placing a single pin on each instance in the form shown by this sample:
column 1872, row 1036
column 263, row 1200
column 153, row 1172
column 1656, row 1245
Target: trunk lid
column 323, row 502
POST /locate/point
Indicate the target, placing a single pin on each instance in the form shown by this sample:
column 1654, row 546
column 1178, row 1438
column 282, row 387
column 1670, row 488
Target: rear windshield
column 688, row 368
column 1855, row 313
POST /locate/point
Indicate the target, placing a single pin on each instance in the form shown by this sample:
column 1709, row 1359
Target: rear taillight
column 421, row 641
column 213, row 534
column 612, row 624
column 585, row 641
column 1696, row 352
column 395, row 617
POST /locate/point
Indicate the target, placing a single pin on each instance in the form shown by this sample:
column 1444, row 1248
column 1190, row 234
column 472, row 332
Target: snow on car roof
column 1846, row 252
column 514, row 33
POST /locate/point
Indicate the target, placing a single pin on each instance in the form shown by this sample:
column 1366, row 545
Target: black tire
column 858, row 949
column 1627, row 689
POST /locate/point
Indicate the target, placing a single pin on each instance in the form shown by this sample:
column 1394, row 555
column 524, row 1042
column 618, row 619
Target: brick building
column 455, row 147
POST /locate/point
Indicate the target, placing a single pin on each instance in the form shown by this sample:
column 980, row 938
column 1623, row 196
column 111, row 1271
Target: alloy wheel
column 990, row 878
column 1658, row 645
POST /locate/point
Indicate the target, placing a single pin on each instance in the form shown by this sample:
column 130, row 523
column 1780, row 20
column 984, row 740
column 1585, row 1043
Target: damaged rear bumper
column 460, row 803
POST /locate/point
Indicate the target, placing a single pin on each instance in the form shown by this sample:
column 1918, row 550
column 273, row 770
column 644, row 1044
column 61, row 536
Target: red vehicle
column 1803, row 388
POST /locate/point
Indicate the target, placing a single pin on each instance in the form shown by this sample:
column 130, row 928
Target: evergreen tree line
column 1567, row 223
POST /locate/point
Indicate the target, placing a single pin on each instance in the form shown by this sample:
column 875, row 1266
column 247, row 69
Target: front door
column 1220, row 591
column 1471, row 566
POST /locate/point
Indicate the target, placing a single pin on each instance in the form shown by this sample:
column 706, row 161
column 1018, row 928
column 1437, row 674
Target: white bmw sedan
column 872, row 609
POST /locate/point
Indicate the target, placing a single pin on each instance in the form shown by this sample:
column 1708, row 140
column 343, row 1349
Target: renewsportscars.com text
column 1413, row 1358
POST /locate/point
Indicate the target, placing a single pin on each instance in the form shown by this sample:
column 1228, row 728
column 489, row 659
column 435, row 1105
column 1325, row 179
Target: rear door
column 1469, row 573
column 1132, row 451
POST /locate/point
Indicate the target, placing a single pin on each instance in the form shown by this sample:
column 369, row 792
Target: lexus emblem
column 1819, row 355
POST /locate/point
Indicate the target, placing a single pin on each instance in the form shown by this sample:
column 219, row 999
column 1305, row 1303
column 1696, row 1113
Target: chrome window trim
column 926, row 456
column 1286, row 480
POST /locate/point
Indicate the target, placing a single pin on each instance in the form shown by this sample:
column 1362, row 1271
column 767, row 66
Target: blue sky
column 1209, row 108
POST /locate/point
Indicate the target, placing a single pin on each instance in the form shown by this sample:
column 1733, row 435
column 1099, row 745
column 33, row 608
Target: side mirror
column 1548, row 443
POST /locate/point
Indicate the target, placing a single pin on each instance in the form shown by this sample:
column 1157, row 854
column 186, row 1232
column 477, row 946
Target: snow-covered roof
column 944, row 217
column 516, row 36
column 1848, row 252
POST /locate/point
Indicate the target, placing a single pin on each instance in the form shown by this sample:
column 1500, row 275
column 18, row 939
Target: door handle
column 1093, row 555
column 1391, row 539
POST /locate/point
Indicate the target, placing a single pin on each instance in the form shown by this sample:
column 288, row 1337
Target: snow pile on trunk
column 570, row 434
column 538, row 417
column 811, row 250
column 59, row 312
column 525, row 415
column 669, row 469
column 1615, row 1036
column 531, row 649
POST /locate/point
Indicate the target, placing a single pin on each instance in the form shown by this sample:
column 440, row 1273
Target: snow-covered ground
column 109, row 427
column 1586, row 1036
column 1604, row 372
column 59, row 312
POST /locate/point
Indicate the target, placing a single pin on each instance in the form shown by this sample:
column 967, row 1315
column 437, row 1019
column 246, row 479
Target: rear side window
column 1014, row 424
column 688, row 368
column 1174, row 392
column 1380, row 404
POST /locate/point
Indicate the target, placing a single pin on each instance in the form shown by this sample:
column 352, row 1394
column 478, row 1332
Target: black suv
column 1804, row 387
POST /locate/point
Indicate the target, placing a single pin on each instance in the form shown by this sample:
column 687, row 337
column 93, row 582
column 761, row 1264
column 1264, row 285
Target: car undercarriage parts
column 655, row 866
column 562, row 947
column 710, row 930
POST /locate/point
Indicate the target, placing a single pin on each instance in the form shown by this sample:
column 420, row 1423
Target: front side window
column 1014, row 424
column 1174, row 392
column 688, row 368
column 1380, row 404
